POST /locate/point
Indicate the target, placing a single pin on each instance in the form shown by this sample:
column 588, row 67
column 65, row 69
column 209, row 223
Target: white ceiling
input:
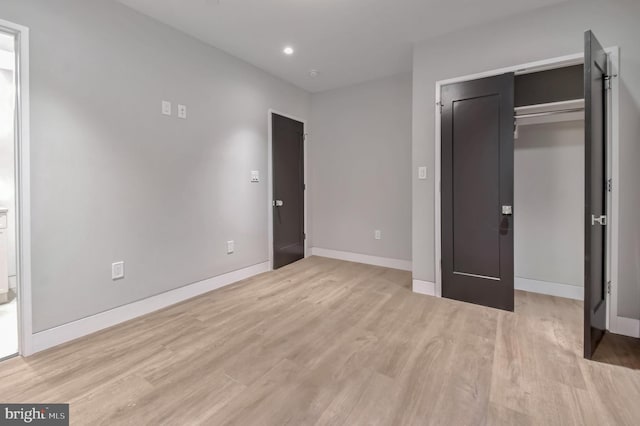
column 347, row 41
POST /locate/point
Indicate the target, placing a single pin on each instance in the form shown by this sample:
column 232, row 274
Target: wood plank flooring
column 325, row 342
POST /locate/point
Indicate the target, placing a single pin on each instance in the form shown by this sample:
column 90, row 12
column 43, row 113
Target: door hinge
column 607, row 81
column 304, row 136
column 609, row 185
column 305, row 236
column 601, row 220
column 304, row 186
column 608, row 287
column 439, row 104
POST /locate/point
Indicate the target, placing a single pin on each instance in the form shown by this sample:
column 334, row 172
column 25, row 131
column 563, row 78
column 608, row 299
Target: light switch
column 166, row 108
column 182, row 111
column 422, row 172
column 231, row 246
column 255, row 176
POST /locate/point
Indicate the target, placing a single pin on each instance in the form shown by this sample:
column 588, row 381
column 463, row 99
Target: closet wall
column 549, row 203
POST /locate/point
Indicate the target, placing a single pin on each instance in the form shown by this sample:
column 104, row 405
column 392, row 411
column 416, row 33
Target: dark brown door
column 477, row 191
column 595, row 80
column 288, row 190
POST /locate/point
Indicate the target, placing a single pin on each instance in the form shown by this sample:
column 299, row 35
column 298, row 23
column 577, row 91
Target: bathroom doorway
column 8, row 219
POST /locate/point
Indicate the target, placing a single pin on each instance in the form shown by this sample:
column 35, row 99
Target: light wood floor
column 328, row 342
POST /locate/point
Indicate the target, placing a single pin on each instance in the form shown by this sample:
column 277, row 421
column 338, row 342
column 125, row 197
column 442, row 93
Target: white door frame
column 614, row 323
column 270, row 180
column 23, row 187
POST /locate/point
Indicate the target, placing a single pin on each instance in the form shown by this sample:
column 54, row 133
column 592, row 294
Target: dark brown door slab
column 595, row 294
column 477, row 191
column 288, row 190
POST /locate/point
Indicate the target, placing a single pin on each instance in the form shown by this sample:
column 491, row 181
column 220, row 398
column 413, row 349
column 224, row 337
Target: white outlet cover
column 255, row 176
column 182, row 111
column 377, row 234
column 117, row 270
column 230, row 247
column 422, row 173
column 166, row 108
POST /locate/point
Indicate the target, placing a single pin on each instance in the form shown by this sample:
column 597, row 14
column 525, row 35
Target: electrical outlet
column 255, row 176
column 182, row 111
column 230, row 247
column 166, row 108
column 117, row 271
column 377, row 234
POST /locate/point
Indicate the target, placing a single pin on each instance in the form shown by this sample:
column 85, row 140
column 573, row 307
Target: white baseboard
column 386, row 262
column 553, row 289
column 424, row 287
column 82, row 327
column 625, row 326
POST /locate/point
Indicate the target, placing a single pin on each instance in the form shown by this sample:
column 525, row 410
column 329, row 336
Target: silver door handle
column 602, row 220
column 507, row 210
column 278, row 203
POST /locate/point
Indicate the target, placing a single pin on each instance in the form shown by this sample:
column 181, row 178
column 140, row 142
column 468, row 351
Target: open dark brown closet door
column 477, row 191
column 288, row 190
column 595, row 80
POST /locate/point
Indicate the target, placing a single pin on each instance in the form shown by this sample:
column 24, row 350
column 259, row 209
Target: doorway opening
column 524, row 174
column 15, row 220
column 8, row 218
column 549, row 180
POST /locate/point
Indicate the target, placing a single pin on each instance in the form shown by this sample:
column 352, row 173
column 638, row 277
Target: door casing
column 615, row 323
column 305, row 146
column 23, row 187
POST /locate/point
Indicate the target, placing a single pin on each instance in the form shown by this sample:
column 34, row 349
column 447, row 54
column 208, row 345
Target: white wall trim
column 424, row 287
column 82, row 327
column 386, row 262
column 552, row 289
column 23, row 186
column 615, row 323
column 613, row 170
column 625, row 326
column 270, row 181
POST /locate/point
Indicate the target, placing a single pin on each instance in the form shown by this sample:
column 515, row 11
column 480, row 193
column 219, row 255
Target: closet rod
column 547, row 113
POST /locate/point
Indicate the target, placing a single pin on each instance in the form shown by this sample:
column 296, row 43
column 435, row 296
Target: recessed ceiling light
column 288, row 50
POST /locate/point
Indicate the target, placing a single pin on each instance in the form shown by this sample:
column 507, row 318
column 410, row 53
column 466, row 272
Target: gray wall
column 113, row 179
column 359, row 160
column 542, row 34
column 549, row 202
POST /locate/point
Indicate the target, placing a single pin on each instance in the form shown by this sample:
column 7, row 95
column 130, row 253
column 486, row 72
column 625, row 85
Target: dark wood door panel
column 476, row 214
column 477, row 180
column 288, row 190
column 595, row 76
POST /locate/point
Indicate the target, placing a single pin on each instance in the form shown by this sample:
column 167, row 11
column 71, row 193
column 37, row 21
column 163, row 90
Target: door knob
column 602, row 220
column 278, row 203
column 507, row 210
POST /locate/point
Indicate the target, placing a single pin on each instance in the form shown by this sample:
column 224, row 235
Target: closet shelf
column 554, row 112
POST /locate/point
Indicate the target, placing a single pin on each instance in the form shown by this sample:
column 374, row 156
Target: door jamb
column 305, row 145
column 22, row 186
column 613, row 321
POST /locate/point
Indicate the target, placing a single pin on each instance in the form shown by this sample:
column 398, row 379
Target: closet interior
column 549, row 181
